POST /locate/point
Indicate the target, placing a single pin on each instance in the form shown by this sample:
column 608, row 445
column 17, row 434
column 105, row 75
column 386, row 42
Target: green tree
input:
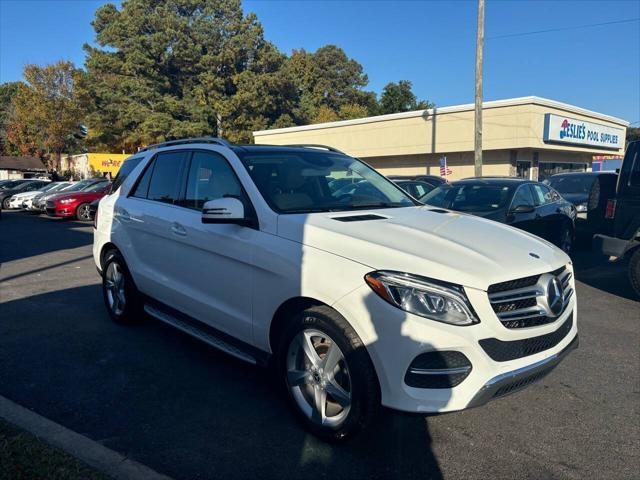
column 174, row 68
column 46, row 111
column 399, row 97
column 633, row 133
column 327, row 78
column 7, row 92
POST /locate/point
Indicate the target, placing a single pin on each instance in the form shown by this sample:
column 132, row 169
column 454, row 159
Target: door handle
column 123, row 215
column 178, row 229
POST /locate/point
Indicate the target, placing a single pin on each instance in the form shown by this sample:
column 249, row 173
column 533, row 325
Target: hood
column 576, row 198
column 440, row 244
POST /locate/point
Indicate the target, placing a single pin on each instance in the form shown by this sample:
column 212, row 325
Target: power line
column 536, row 32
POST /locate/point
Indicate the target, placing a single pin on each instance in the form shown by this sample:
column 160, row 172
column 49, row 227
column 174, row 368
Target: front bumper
column 394, row 339
column 15, row 203
column 59, row 212
column 612, row 246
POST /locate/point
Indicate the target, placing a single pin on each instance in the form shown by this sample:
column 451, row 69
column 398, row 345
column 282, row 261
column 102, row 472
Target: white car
column 360, row 300
column 23, row 200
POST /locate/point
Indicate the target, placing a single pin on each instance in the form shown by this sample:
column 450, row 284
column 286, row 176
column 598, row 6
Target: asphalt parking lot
column 180, row 407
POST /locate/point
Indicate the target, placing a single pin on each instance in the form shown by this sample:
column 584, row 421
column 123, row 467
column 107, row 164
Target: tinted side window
column 165, row 179
column 541, row 194
column 126, row 168
column 522, row 197
column 634, row 173
column 143, row 184
column 210, row 177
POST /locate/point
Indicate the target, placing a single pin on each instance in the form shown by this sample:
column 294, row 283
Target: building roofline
column 453, row 109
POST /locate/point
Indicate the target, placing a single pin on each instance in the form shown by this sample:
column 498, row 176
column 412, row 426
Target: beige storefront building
column 521, row 136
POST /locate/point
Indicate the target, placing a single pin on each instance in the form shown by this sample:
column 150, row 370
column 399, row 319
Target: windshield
column 318, row 181
column 12, row 184
column 469, row 197
column 49, row 187
column 95, row 187
column 572, row 183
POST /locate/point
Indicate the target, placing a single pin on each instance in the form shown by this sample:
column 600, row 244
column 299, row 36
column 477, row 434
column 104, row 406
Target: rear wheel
column 120, row 294
column 634, row 271
column 328, row 375
column 83, row 212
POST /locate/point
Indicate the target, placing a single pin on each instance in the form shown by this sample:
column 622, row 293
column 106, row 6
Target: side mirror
column 224, row 210
column 523, row 209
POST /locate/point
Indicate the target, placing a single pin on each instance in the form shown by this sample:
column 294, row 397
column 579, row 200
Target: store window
column 546, row 169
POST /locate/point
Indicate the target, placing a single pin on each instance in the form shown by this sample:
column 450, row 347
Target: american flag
column 444, row 170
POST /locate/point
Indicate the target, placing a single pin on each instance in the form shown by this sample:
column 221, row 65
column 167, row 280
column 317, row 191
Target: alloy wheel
column 84, row 212
column 114, row 284
column 318, row 378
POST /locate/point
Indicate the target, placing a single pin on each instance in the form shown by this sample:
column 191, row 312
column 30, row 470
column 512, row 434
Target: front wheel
column 634, row 271
column 83, row 212
column 5, row 203
column 328, row 375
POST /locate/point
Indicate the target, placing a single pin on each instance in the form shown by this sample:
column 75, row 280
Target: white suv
column 361, row 296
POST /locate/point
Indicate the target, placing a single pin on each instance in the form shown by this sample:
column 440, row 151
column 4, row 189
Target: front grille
column 521, row 303
column 503, row 351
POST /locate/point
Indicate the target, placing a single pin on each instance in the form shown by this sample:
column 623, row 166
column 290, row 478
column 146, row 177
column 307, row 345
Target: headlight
column 433, row 299
column 68, row 200
column 581, row 207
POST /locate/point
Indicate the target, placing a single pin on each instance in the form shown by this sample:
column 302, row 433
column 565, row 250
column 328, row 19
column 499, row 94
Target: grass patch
column 23, row 456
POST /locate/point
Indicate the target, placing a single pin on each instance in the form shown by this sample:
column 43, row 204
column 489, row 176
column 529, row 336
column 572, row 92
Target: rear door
column 524, row 220
column 627, row 212
column 549, row 214
column 149, row 215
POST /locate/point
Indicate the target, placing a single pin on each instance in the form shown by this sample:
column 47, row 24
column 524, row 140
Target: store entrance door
column 523, row 169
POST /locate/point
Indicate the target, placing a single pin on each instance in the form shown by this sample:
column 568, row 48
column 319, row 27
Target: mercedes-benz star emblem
column 554, row 295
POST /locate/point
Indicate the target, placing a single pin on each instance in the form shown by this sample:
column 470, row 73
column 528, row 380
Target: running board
column 202, row 332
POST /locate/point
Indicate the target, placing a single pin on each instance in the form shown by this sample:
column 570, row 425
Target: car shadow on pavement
column 594, row 269
column 177, row 405
column 21, row 235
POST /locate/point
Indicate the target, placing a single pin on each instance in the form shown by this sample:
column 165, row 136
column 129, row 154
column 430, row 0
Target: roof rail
column 315, row 145
column 184, row 141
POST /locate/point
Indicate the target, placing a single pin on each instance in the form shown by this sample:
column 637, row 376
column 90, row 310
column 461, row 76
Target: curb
column 106, row 461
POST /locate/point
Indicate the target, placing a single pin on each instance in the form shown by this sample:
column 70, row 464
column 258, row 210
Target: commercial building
column 12, row 168
column 529, row 137
column 92, row 164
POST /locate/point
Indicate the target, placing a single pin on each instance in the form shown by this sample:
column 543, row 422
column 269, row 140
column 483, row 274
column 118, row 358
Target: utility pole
column 478, row 112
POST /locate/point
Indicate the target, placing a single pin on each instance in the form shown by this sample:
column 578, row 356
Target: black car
column 589, row 192
column 622, row 240
column 415, row 188
column 9, row 189
column 433, row 180
column 528, row 205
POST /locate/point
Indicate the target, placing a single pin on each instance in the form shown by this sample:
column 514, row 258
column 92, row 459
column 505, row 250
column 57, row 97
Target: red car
column 76, row 204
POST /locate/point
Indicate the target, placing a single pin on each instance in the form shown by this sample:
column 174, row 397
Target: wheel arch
column 285, row 312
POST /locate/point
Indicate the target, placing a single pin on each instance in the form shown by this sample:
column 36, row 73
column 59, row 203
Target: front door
column 215, row 278
column 524, row 220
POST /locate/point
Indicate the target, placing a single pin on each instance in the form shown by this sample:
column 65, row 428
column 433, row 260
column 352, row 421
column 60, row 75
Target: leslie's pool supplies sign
column 561, row 129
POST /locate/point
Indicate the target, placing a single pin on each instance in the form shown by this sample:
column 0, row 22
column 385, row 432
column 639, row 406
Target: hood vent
column 359, row 218
column 438, row 210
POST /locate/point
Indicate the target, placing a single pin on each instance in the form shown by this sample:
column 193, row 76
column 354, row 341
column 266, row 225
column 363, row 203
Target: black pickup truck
column 622, row 240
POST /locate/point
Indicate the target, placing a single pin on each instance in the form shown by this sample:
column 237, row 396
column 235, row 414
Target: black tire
column 5, row 203
column 132, row 310
column 566, row 239
column 83, row 213
column 634, row 271
column 364, row 387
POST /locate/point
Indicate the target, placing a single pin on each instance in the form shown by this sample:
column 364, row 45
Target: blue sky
column 430, row 43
